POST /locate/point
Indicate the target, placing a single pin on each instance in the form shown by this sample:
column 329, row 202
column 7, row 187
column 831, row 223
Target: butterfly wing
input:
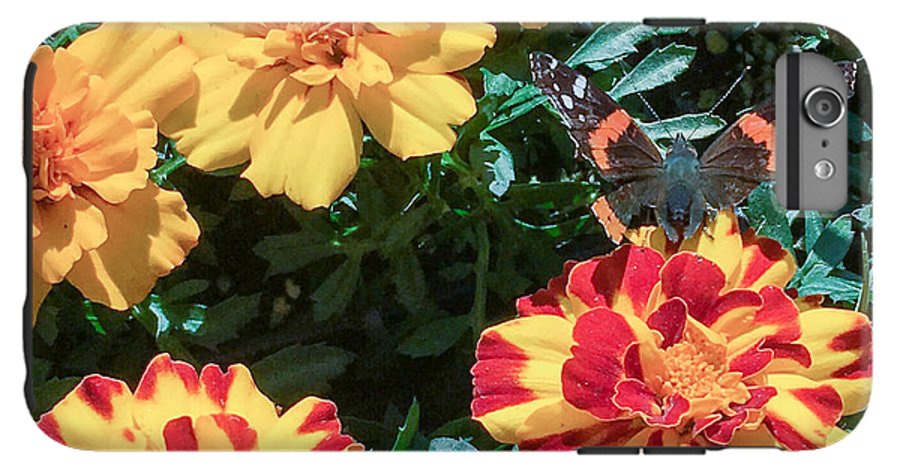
column 606, row 135
column 740, row 159
column 601, row 130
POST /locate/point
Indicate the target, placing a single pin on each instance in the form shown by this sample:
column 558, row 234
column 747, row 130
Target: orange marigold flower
column 97, row 220
column 690, row 344
column 173, row 408
column 292, row 98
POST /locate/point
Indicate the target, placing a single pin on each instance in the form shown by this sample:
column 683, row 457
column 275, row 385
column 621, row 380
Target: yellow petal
column 311, row 424
column 39, row 291
column 116, row 152
column 434, row 48
column 60, row 79
column 207, row 39
column 234, row 392
column 168, row 389
column 213, row 128
column 249, row 53
column 517, row 378
column 719, row 241
column 70, row 227
column 150, row 234
column 412, row 116
column 96, row 415
column 291, row 154
column 803, row 413
column 145, row 67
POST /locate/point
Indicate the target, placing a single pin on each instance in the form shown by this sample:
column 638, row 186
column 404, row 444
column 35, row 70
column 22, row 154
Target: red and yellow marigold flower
column 175, row 409
column 690, row 344
column 292, row 99
column 97, row 220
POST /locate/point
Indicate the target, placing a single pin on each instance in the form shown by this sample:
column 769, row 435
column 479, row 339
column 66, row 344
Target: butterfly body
column 679, row 186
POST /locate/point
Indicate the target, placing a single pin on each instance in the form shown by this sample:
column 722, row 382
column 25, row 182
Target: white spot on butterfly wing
column 578, row 87
column 556, row 87
column 567, row 101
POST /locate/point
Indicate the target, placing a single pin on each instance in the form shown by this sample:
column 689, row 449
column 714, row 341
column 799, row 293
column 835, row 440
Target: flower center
column 693, row 370
column 53, row 150
column 321, row 43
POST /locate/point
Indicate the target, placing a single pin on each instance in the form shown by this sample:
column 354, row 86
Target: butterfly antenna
column 723, row 98
column 647, row 104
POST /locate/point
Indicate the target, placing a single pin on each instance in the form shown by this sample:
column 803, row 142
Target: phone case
column 445, row 237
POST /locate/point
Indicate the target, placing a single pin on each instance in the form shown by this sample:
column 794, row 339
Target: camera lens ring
column 811, row 113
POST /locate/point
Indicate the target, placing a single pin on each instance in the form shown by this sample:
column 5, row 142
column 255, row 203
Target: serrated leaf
column 694, row 126
column 613, row 41
column 185, row 289
column 434, row 337
column 659, row 67
column 409, row 280
column 288, row 253
column 223, row 321
column 767, row 216
column 406, row 434
column 501, row 171
column 335, row 292
column 450, row 444
column 299, row 371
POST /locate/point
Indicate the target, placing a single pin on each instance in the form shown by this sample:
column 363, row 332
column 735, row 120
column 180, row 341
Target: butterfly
column 679, row 186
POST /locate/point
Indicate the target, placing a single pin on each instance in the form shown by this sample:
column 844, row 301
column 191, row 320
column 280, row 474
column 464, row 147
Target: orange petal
column 412, row 116
column 290, row 154
column 213, row 128
column 70, row 227
column 311, row 424
column 146, row 67
column 150, row 234
column 96, row 415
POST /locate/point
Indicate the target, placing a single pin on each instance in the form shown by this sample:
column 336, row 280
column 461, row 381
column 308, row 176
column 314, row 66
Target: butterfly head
column 681, row 147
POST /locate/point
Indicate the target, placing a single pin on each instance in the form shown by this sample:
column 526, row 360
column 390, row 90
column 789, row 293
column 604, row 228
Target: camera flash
column 824, row 169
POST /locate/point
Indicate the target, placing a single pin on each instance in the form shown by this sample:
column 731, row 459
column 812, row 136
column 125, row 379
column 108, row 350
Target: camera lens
column 824, row 107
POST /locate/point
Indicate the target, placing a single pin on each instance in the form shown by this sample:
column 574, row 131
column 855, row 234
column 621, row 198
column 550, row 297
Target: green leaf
column 694, row 126
column 300, row 370
column 838, row 288
column 863, row 214
column 406, row 434
column 409, row 281
column 767, row 216
column 501, row 170
column 812, row 229
column 434, row 337
column 450, row 444
column 659, row 67
column 612, row 41
column 49, row 393
column 336, row 291
column 830, row 248
column 288, row 253
column 223, row 321
column 185, row 289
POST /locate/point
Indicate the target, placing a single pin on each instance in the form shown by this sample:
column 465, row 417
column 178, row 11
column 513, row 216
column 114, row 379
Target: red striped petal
column 669, row 319
column 696, row 280
column 622, row 279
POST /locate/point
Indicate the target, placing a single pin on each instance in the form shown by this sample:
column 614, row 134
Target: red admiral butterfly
column 679, row 188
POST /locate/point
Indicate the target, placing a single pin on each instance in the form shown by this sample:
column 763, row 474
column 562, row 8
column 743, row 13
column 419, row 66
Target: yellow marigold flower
column 174, row 409
column 97, row 220
column 668, row 344
column 292, row 98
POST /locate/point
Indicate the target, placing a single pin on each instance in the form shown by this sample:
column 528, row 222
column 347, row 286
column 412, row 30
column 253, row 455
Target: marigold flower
column 292, row 98
column 174, row 409
column 690, row 344
column 97, row 220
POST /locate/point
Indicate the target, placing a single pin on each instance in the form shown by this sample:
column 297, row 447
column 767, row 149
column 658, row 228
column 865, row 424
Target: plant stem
column 482, row 262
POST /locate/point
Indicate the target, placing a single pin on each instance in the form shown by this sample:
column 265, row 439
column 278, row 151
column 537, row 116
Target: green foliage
column 299, row 370
column 406, row 435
